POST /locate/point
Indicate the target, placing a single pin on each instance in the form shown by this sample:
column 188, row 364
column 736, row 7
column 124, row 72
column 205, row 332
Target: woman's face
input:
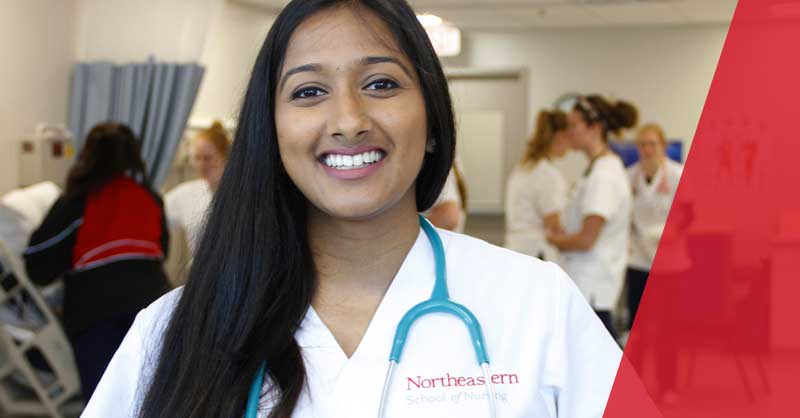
column 350, row 115
column 578, row 131
column 206, row 159
column 650, row 146
column 581, row 134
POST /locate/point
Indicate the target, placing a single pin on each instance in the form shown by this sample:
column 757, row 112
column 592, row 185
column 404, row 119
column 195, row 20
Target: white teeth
column 349, row 162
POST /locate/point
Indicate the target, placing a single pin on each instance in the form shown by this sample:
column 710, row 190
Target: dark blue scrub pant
column 95, row 347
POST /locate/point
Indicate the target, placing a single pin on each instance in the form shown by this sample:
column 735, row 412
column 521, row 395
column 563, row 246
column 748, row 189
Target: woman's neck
column 650, row 167
column 595, row 150
column 212, row 185
column 361, row 257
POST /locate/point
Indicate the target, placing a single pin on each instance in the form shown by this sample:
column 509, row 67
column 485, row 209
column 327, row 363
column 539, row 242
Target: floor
column 490, row 228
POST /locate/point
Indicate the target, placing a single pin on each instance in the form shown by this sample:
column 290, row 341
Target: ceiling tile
column 555, row 16
column 638, row 13
column 561, row 14
column 707, row 11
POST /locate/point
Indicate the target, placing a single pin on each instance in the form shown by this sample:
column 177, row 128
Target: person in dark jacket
column 107, row 237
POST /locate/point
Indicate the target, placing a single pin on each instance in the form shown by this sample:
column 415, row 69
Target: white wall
column 125, row 31
column 666, row 72
column 234, row 38
column 36, row 52
column 223, row 36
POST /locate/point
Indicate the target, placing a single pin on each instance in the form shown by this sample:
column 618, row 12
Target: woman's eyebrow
column 301, row 69
column 381, row 60
column 364, row 61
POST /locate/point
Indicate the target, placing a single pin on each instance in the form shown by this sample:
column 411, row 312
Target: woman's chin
column 353, row 210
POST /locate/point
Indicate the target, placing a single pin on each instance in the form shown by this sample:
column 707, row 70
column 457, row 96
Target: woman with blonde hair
column 536, row 192
column 654, row 179
column 188, row 202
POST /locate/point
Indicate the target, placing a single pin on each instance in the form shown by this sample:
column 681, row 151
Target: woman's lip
column 353, row 173
column 350, row 151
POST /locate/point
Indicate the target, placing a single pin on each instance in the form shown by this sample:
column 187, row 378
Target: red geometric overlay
column 718, row 331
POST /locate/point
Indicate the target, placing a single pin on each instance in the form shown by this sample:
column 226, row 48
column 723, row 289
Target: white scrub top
column 186, row 207
column 600, row 271
column 532, row 194
column 550, row 354
column 450, row 193
column 651, row 204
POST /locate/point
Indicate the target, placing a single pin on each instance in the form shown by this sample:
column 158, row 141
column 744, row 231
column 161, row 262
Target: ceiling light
column 429, row 20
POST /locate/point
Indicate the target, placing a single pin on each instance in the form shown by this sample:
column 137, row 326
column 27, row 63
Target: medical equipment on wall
column 48, row 155
column 439, row 302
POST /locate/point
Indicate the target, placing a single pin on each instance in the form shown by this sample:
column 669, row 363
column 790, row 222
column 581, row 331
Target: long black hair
column 253, row 277
column 111, row 150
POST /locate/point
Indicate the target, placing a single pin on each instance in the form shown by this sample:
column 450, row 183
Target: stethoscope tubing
column 439, row 302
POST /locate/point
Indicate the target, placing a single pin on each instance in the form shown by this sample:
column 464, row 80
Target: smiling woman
column 314, row 263
column 351, row 85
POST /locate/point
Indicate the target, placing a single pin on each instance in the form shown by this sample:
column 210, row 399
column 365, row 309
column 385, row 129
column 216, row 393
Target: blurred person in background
column 450, row 210
column 594, row 245
column 186, row 204
column 654, row 181
column 107, row 237
column 537, row 192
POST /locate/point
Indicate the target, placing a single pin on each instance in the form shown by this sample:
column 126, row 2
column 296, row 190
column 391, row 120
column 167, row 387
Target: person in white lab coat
column 594, row 244
column 654, row 179
column 313, row 252
column 187, row 203
column 450, row 210
column 537, row 192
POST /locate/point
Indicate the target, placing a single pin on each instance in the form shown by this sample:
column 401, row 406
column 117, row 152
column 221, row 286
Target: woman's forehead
column 202, row 143
column 648, row 135
column 340, row 36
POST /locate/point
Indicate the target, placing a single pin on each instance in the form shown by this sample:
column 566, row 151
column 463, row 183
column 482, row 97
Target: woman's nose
column 349, row 121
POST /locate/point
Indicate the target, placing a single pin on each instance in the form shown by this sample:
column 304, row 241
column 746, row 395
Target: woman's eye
column 382, row 84
column 308, row 92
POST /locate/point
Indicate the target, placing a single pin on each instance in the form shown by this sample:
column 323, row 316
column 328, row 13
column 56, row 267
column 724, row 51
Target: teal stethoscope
column 439, row 302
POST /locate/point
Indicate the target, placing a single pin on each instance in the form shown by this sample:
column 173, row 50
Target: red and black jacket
column 109, row 248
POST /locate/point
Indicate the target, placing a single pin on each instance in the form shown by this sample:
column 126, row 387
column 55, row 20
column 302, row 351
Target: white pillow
column 15, row 229
column 33, row 202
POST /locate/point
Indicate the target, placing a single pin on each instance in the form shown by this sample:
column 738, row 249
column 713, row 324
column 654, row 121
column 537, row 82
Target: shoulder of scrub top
column 674, row 169
column 152, row 321
column 498, row 269
column 468, row 259
column 185, row 190
column 612, row 160
column 633, row 169
column 546, row 169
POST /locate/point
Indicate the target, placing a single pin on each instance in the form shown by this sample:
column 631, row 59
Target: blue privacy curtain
column 153, row 98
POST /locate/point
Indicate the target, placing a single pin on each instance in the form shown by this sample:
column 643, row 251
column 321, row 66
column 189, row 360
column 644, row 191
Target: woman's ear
column 597, row 127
